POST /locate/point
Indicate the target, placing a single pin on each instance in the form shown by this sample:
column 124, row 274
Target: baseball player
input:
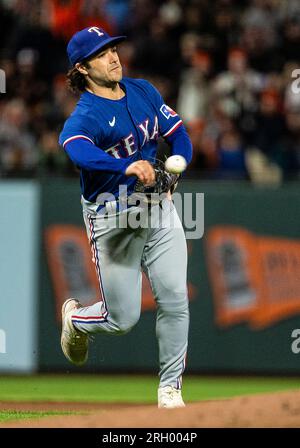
column 111, row 136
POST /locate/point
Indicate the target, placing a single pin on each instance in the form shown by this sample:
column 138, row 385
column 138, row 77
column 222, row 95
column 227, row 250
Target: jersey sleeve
column 78, row 140
column 181, row 143
column 78, row 127
column 86, row 155
column 168, row 119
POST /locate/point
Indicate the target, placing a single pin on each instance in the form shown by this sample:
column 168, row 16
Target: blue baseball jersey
column 103, row 136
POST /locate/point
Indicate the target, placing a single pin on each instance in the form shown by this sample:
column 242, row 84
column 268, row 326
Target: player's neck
column 112, row 93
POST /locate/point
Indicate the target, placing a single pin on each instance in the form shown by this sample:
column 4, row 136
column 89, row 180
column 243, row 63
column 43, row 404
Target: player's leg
column 117, row 256
column 165, row 263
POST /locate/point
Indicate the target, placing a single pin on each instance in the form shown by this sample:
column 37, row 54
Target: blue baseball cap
column 88, row 41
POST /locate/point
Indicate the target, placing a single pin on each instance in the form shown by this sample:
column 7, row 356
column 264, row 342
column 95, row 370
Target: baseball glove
column 164, row 181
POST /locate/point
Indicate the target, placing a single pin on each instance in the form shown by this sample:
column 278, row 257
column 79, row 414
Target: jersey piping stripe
column 75, row 137
column 173, row 128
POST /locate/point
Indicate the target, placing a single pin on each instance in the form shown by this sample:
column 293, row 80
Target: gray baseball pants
column 123, row 244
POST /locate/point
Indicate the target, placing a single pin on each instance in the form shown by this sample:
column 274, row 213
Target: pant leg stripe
column 179, row 379
column 97, row 265
column 77, row 321
column 87, row 317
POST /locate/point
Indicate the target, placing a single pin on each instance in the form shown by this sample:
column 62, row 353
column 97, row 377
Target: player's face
column 105, row 68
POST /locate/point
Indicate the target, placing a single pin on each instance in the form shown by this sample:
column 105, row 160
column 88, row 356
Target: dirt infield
column 256, row 411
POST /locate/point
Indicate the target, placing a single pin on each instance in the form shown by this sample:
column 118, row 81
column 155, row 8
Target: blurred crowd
column 226, row 66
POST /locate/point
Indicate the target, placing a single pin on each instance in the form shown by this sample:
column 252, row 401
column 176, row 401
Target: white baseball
column 175, row 164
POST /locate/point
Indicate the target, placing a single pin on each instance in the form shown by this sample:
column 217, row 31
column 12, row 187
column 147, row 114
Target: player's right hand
column 143, row 170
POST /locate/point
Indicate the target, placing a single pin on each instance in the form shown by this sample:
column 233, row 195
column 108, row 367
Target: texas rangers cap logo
column 97, row 30
column 167, row 111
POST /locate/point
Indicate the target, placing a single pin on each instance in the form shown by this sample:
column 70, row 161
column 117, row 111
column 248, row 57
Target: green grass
column 16, row 415
column 131, row 389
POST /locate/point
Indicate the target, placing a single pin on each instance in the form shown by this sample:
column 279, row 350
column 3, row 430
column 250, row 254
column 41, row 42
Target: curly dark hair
column 76, row 81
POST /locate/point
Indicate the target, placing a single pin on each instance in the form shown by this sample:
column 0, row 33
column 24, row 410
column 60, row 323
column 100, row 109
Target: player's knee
column 124, row 326
column 174, row 303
